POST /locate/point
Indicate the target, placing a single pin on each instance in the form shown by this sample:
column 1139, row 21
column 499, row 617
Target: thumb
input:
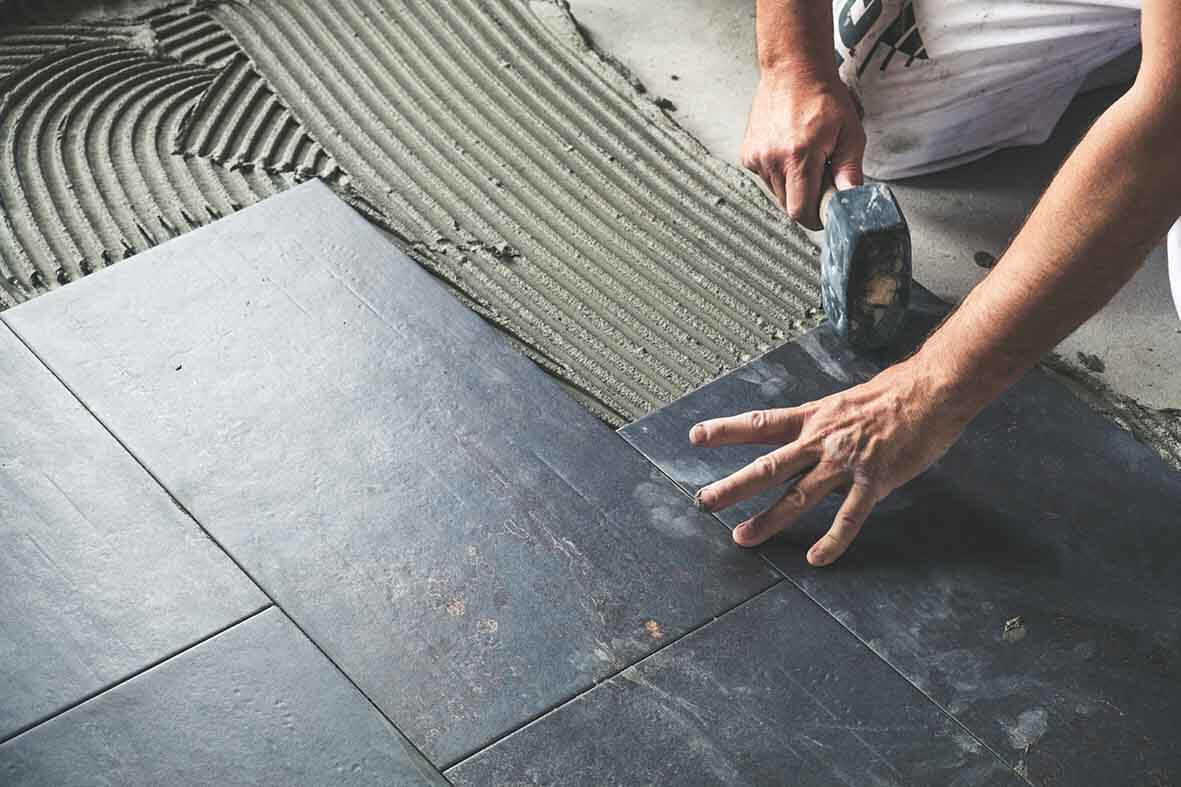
column 846, row 160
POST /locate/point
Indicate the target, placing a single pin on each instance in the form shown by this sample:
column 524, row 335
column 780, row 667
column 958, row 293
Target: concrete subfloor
column 700, row 54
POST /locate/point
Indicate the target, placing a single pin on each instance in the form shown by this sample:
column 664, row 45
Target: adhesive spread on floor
column 88, row 173
column 564, row 205
column 240, row 124
column 521, row 166
column 529, row 174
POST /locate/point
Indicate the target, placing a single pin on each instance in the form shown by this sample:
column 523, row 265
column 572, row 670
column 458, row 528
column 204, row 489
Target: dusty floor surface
column 551, row 190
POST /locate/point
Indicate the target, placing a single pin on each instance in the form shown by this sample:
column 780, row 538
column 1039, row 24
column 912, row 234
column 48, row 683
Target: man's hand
column 800, row 122
column 870, row 439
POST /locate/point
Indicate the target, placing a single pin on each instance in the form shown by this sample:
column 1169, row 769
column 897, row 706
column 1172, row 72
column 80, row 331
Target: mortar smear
column 1158, row 429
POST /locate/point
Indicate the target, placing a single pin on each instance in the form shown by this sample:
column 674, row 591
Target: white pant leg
column 943, row 82
column 1173, row 250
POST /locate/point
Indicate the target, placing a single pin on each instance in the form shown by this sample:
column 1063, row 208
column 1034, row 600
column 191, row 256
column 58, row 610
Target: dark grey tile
column 1045, row 510
column 774, row 692
column 100, row 573
column 467, row 542
column 257, row 704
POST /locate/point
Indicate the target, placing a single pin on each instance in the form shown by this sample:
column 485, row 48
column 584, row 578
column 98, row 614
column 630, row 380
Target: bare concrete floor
column 700, row 54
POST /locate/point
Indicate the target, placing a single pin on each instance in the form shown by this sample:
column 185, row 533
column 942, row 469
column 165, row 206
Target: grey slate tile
column 773, row 692
column 1045, row 510
column 101, row 574
column 255, row 705
column 468, row 543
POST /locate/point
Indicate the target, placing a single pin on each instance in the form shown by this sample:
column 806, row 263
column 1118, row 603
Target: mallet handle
column 828, row 190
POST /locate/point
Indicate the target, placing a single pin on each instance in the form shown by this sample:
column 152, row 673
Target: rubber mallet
column 865, row 271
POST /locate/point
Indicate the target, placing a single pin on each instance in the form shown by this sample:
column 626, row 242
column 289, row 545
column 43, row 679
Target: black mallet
column 865, row 273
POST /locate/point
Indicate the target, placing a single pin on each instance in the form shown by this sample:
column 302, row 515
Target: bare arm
column 796, row 36
column 1112, row 200
column 803, row 115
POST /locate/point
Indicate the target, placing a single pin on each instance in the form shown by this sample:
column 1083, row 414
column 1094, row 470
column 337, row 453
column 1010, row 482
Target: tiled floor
column 774, row 692
column 1043, row 511
column 100, row 573
column 258, row 703
column 458, row 569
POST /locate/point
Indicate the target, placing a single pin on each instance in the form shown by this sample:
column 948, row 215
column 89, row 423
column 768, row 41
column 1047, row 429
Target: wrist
column 800, row 73
column 950, row 383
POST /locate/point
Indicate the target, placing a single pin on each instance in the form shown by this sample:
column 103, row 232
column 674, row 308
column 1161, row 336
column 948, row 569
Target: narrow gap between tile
column 852, row 633
column 577, row 694
column 132, row 675
column 424, row 764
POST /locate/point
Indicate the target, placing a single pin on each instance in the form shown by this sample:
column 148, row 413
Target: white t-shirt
column 945, row 82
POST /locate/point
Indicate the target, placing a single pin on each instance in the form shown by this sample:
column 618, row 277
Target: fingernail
column 816, row 557
column 696, row 434
column 744, row 531
column 703, row 499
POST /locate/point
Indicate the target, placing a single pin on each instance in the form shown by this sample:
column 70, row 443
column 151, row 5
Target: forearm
column 1114, row 198
column 795, row 39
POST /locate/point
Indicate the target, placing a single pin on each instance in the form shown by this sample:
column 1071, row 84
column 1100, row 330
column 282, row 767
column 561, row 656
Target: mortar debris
column 1091, row 362
column 1160, row 429
column 984, row 259
column 1014, row 630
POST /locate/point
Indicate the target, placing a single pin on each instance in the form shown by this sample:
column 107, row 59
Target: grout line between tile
column 828, row 612
column 133, row 675
column 573, row 697
column 424, row 764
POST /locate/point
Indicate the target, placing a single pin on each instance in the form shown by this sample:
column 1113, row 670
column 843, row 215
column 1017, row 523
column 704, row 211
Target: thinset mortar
column 522, row 167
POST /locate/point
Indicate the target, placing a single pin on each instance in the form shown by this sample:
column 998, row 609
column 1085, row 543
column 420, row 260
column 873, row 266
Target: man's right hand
column 798, row 124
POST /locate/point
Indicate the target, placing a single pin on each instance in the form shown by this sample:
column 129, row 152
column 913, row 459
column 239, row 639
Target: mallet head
column 865, row 271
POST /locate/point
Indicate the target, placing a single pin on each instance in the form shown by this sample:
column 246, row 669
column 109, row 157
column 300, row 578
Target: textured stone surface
column 100, row 573
column 257, row 704
column 774, row 692
column 467, row 542
column 1044, row 511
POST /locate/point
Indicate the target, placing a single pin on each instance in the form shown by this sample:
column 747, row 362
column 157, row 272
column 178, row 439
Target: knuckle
column 756, row 420
column 836, row 541
column 797, row 497
column 766, row 466
column 755, row 524
column 797, row 153
column 844, row 523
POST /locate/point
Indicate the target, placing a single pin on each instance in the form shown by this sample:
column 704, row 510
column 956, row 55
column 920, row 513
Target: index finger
column 802, row 190
column 772, row 427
